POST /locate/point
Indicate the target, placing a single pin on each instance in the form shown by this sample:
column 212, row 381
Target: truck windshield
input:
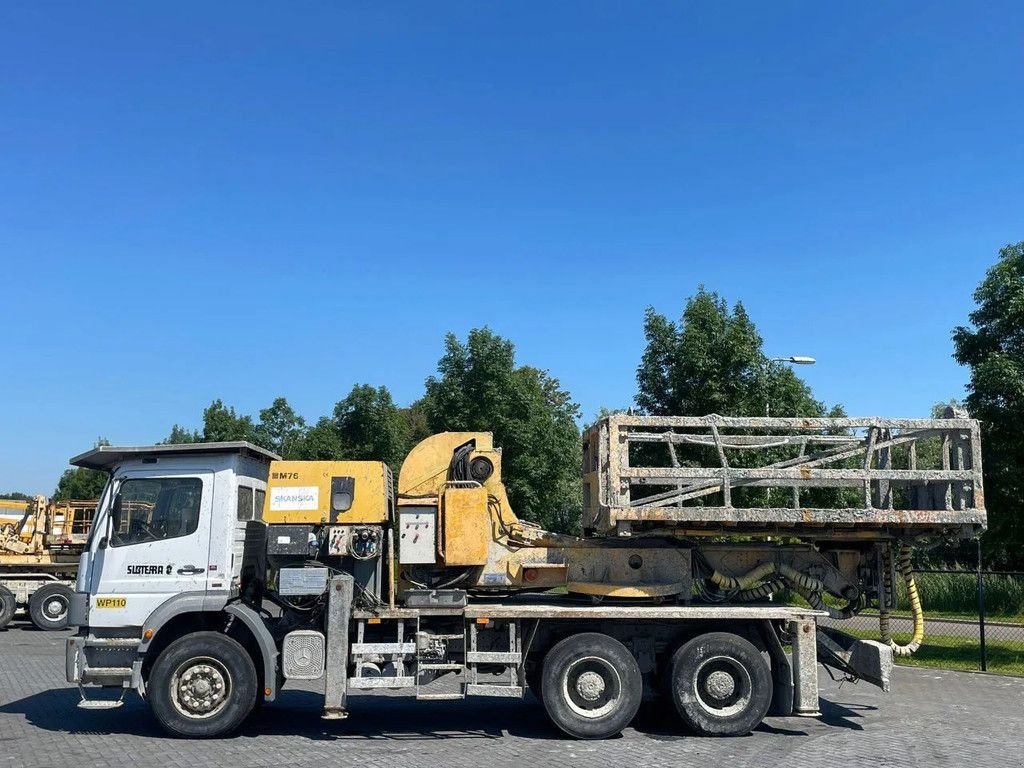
column 151, row 509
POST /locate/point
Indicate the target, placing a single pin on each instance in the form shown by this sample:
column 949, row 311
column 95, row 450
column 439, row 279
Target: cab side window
column 245, row 499
column 261, row 497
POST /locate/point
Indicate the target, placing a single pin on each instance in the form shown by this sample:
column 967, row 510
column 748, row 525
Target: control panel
column 417, row 533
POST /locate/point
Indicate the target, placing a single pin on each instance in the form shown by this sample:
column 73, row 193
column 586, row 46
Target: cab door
column 155, row 545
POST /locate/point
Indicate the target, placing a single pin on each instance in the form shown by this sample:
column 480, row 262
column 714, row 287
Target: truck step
column 362, row 683
column 439, row 696
column 112, row 642
column 442, row 667
column 100, row 703
column 510, row 691
column 87, row 703
column 493, row 657
column 94, row 672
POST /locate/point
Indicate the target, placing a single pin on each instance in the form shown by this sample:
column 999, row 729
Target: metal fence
column 974, row 620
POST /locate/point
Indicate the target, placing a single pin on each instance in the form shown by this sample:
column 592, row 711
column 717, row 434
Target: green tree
column 371, row 426
column 993, row 349
column 416, row 425
column 366, row 425
column 81, row 483
column 321, row 442
column 180, row 434
column 479, row 387
column 280, row 429
column 711, row 361
column 221, row 423
column 15, row 496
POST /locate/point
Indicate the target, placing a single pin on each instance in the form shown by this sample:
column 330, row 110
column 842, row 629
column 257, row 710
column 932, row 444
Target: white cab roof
column 104, row 457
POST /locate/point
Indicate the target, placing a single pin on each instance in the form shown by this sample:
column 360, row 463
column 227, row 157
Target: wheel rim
column 55, row 608
column 591, row 687
column 200, row 688
column 723, row 686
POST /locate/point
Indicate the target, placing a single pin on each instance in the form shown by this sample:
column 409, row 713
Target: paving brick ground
column 930, row 719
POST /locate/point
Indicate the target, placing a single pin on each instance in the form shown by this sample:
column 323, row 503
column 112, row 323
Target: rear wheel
column 720, row 684
column 8, row 605
column 202, row 685
column 48, row 607
column 591, row 686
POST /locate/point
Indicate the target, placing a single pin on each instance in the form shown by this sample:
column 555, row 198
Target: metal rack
column 821, row 476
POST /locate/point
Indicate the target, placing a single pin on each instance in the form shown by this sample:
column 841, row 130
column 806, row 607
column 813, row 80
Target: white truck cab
column 166, row 542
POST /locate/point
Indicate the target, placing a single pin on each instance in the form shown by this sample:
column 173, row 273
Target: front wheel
column 721, row 685
column 48, row 607
column 591, row 686
column 202, row 685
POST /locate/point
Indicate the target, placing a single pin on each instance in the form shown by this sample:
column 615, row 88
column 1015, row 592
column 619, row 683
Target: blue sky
column 250, row 200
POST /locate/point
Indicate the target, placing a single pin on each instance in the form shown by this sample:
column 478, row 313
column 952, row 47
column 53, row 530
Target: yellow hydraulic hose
column 916, row 611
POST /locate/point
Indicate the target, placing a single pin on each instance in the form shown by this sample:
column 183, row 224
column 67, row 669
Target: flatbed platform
column 570, row 609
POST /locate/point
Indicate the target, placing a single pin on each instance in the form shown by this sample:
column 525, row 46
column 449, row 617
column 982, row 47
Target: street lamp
column 792, row 360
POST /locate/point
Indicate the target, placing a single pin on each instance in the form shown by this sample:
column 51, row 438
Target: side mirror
column 103, row 543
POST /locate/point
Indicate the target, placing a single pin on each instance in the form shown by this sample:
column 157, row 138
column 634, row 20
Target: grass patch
column 1005, row 657
column 956, row 594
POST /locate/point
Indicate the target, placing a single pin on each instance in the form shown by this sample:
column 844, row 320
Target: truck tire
column 591, row 686
column 8, row 605
column 721, row 684
column 48, row 607
column 202, row 685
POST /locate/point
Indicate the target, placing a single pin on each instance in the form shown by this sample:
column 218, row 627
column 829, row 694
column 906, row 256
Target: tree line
column 710, row 360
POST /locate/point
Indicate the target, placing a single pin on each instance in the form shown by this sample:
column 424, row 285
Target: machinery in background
column 40, row 544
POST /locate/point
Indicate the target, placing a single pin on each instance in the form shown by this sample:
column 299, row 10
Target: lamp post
column 792, row 360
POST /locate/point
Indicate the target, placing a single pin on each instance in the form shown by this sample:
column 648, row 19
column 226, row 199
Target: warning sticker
column 300, row 497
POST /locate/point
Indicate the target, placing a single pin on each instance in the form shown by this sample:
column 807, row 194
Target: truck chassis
column 591, row 665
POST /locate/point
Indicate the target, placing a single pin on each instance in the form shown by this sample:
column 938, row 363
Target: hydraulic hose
column 814, row 600
column 916, row 611
column 746, row 581
column 761, row 591
column 748, row 587
column 750, row 579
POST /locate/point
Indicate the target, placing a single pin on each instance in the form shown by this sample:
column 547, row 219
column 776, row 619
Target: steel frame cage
column 855, row 453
